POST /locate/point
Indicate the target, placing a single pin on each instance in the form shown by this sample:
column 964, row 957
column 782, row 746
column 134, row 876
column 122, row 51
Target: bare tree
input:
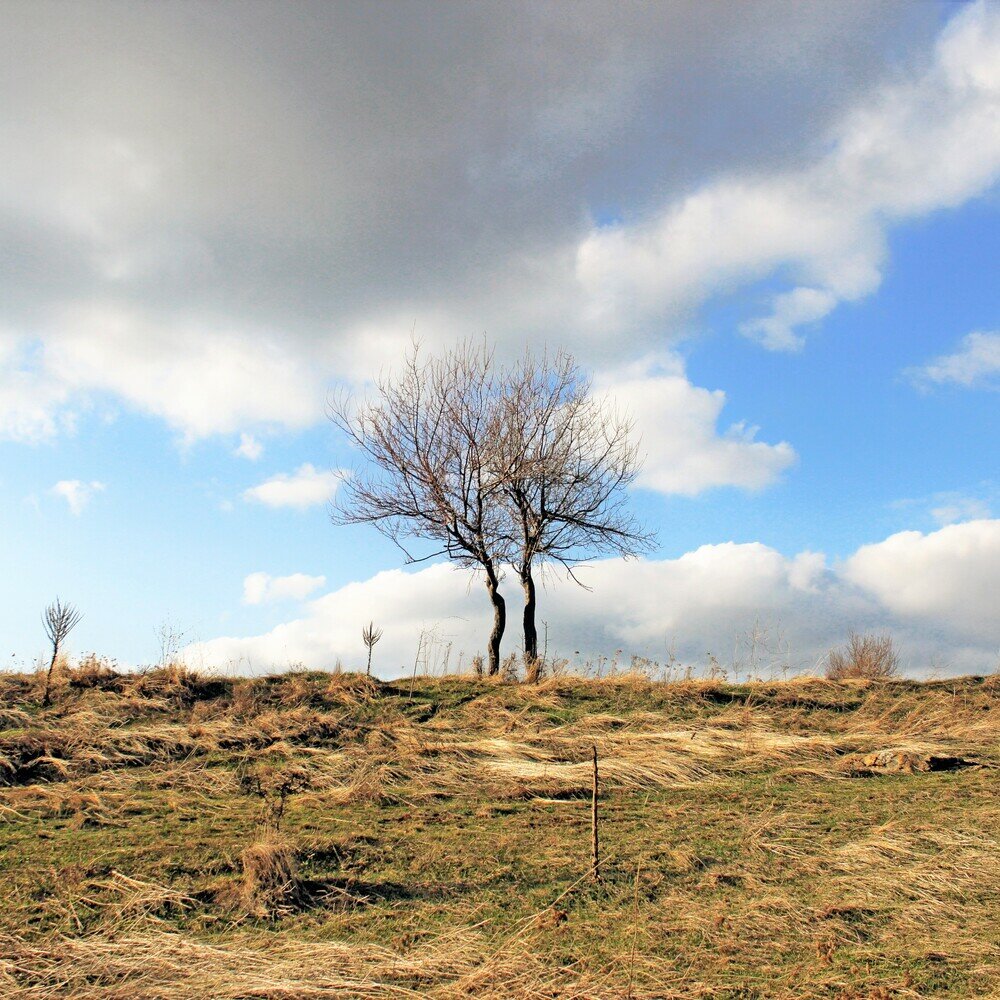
column 431, row 438
column 370, row 635
column 570, row 457
column 59, row 620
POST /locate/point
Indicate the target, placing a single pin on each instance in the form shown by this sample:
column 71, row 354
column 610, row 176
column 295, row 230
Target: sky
column 767, row 230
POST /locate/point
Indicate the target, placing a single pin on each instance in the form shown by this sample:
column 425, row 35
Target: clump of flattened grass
column 84, row 744
column 159, row 965
column 84, row 807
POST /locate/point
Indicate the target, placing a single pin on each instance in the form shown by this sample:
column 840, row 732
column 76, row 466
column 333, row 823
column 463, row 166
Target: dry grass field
column 166, row 835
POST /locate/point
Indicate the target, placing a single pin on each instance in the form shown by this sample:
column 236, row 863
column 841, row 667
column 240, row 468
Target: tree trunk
column 46, row 701
column 499, row 620
column 530, row 631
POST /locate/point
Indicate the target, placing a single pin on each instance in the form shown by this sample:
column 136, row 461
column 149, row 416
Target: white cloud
column 249, row 447
column 935, row 591
column 32, row 407
column 954, row 506
column 958, row 508
column 260, row 588
column 806, row 571
column 950, row 576
column 32, row 403
column 200, row 378
column 677, row 422
column 913, row 147
column 975, row 364
column 76, row 493
column 790, row 310
column 306, row 487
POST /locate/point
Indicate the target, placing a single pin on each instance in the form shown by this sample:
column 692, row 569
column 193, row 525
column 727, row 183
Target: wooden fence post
column 594, row 840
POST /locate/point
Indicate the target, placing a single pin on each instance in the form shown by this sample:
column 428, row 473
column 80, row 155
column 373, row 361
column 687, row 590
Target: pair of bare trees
column 496, row 465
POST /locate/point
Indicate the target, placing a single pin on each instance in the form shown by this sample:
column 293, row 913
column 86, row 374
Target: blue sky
column 187, row 275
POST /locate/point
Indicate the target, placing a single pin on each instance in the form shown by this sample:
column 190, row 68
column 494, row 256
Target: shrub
column 274, row 784
column 872, row 657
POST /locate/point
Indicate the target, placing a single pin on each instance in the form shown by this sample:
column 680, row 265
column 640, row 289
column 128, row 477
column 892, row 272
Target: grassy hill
column 167, row 835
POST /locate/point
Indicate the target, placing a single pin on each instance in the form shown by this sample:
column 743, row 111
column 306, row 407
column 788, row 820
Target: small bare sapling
column 59, row 620
column 370, row 634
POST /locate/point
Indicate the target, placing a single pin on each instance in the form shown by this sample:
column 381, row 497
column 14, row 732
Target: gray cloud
column 303, row 177
column 299, row 165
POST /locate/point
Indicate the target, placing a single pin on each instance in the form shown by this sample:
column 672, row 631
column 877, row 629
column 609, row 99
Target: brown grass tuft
column 268, row 886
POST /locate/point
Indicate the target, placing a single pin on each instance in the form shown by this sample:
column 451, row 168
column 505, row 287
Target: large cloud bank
column 747, row 604
column 211, row 239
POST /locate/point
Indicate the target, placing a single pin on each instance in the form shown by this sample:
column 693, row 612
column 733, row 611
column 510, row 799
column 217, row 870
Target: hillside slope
column 167, row 835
